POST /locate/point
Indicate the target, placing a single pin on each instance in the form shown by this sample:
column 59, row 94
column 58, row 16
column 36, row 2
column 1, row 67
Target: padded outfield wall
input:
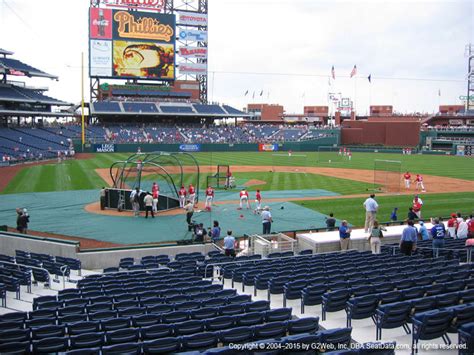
column 305, row 146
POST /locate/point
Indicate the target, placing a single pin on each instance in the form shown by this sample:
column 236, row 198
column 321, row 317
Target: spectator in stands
column 215, row 232
column 438, row 232
column 411, row 214
column 266, row 220
column 330, row 222
column 452, row 226
column 229, row 244
column 408, row 239
column 423, row 231
column 344, row 235
column 470, row 227
column 462, row 229
column 102, row 198
column 189, row 208
column 371, row 207
column 375, row 238
column 22, row 220
column 200, row 233
column 148, row 201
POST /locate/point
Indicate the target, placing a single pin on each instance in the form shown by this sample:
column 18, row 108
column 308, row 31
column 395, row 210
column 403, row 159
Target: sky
column 282, row 51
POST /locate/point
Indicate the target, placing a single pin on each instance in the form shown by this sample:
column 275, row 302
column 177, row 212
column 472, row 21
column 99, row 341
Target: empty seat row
column 128, row 342
column 161, row 313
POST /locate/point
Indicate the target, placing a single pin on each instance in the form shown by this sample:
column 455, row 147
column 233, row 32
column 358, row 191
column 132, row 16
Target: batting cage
column 387, row 175
column 330, row 154
column 169, row 171
column 221, row 179
column 289, row 162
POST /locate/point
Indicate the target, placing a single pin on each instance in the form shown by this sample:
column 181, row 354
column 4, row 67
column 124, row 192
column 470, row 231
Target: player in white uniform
column 419, row 182
column 209, row 198
column 182, row 196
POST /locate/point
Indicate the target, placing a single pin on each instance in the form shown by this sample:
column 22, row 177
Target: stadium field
column 80, row 174
column 353, row 179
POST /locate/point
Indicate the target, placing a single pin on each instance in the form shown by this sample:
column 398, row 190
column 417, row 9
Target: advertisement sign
column 193, row 68
column 141, row 44
column 143, row 60
column 150, row 5
column 100, row 23
column 190, row 147
column 193, row 52
column 193, row 35
column 267, row 147
column 100, row 57
column 103, row 148
column 191, row 19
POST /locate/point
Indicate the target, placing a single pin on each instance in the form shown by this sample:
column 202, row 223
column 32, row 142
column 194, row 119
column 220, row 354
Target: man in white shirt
column 266, row 220
column 371, row 207
column 148, row 201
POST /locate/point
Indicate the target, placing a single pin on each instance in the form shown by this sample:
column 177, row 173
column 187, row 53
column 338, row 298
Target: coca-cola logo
column 100, row 22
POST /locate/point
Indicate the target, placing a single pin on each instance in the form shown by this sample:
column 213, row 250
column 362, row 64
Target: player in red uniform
column 209, row 198
column 407, row 177
column 192, row 194
column 417, row 204
column 419, row 182
column 349, row 154
column 258, row 201
column 244, row 198
column 155, row 192
column 182, row 196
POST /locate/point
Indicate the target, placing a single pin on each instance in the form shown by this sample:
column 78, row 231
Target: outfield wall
column 309, row 145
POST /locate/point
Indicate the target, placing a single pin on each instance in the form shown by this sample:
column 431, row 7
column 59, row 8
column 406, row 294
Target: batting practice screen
column 387, row 175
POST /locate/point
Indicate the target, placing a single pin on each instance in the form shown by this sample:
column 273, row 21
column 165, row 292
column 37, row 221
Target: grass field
column 81, row 175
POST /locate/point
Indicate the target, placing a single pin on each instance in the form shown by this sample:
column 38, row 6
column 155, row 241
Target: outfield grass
column 80, row 174
column 434, row 205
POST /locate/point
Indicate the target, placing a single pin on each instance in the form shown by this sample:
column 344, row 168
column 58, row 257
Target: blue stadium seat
column 87, row 340
column 199, row 341
column 391, row 316
column 162, row 345
column 189, row 327
column 123, row 349
column 303, row 325
column 237, row 335
column 120, row 336
column 156, row 331
column 431, row 325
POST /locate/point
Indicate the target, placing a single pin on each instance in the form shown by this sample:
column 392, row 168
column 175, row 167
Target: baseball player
column 182, row 196
column 349, row 154
column 258, row 201
column 155, row 191
column 209, row 198
column 419, row 182
column 192, row 194
column 244, row 198
column 407, row 177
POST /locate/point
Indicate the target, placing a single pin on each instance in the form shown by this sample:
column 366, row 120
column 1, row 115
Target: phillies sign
column 193, row 52
column 155, row 5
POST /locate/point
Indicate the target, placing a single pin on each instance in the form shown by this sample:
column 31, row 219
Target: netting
column 168, row 170
column 330, row 154
column 219, row 180
column 387, row 175
column 293, row 162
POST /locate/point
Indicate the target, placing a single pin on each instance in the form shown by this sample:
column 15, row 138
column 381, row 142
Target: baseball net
column 387, row 175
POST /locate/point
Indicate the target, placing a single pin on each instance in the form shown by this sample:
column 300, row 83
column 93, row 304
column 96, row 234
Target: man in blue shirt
column 344, row 235
column 408, row 240
column 424, row 231
column 438, row 232
column 229, row 244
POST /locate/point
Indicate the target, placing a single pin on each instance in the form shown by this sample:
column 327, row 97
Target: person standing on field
column 155, row 190
column 148, row 201
column 182, row 196
column 371, row 207
column 407, row 178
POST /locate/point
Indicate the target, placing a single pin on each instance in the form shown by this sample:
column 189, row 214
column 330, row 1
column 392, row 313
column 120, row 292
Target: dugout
column 169, row 170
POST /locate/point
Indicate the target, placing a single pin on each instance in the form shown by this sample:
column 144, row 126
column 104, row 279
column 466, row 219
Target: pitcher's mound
column 254, row 182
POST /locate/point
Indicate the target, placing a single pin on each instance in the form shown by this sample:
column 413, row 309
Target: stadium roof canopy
column 5, row 52
column 11, row 66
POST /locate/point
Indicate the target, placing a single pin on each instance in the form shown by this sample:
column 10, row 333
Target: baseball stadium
column 150, row 219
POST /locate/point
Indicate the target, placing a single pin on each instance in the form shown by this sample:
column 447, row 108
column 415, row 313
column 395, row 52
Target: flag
column 261, row 93
column 246, row 93
column 369, row 78
column 16, row 72
column 333, row 72
column 354, row 71
column 253, row 95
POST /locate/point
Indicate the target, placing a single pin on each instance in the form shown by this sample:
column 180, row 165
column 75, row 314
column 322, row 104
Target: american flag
column 354, row 71
column 333, row 72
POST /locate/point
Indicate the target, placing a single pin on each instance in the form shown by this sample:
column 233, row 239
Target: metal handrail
column 33, row 267
column 468, row 250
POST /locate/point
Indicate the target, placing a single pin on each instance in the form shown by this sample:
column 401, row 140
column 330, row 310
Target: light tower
column 470, row 78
